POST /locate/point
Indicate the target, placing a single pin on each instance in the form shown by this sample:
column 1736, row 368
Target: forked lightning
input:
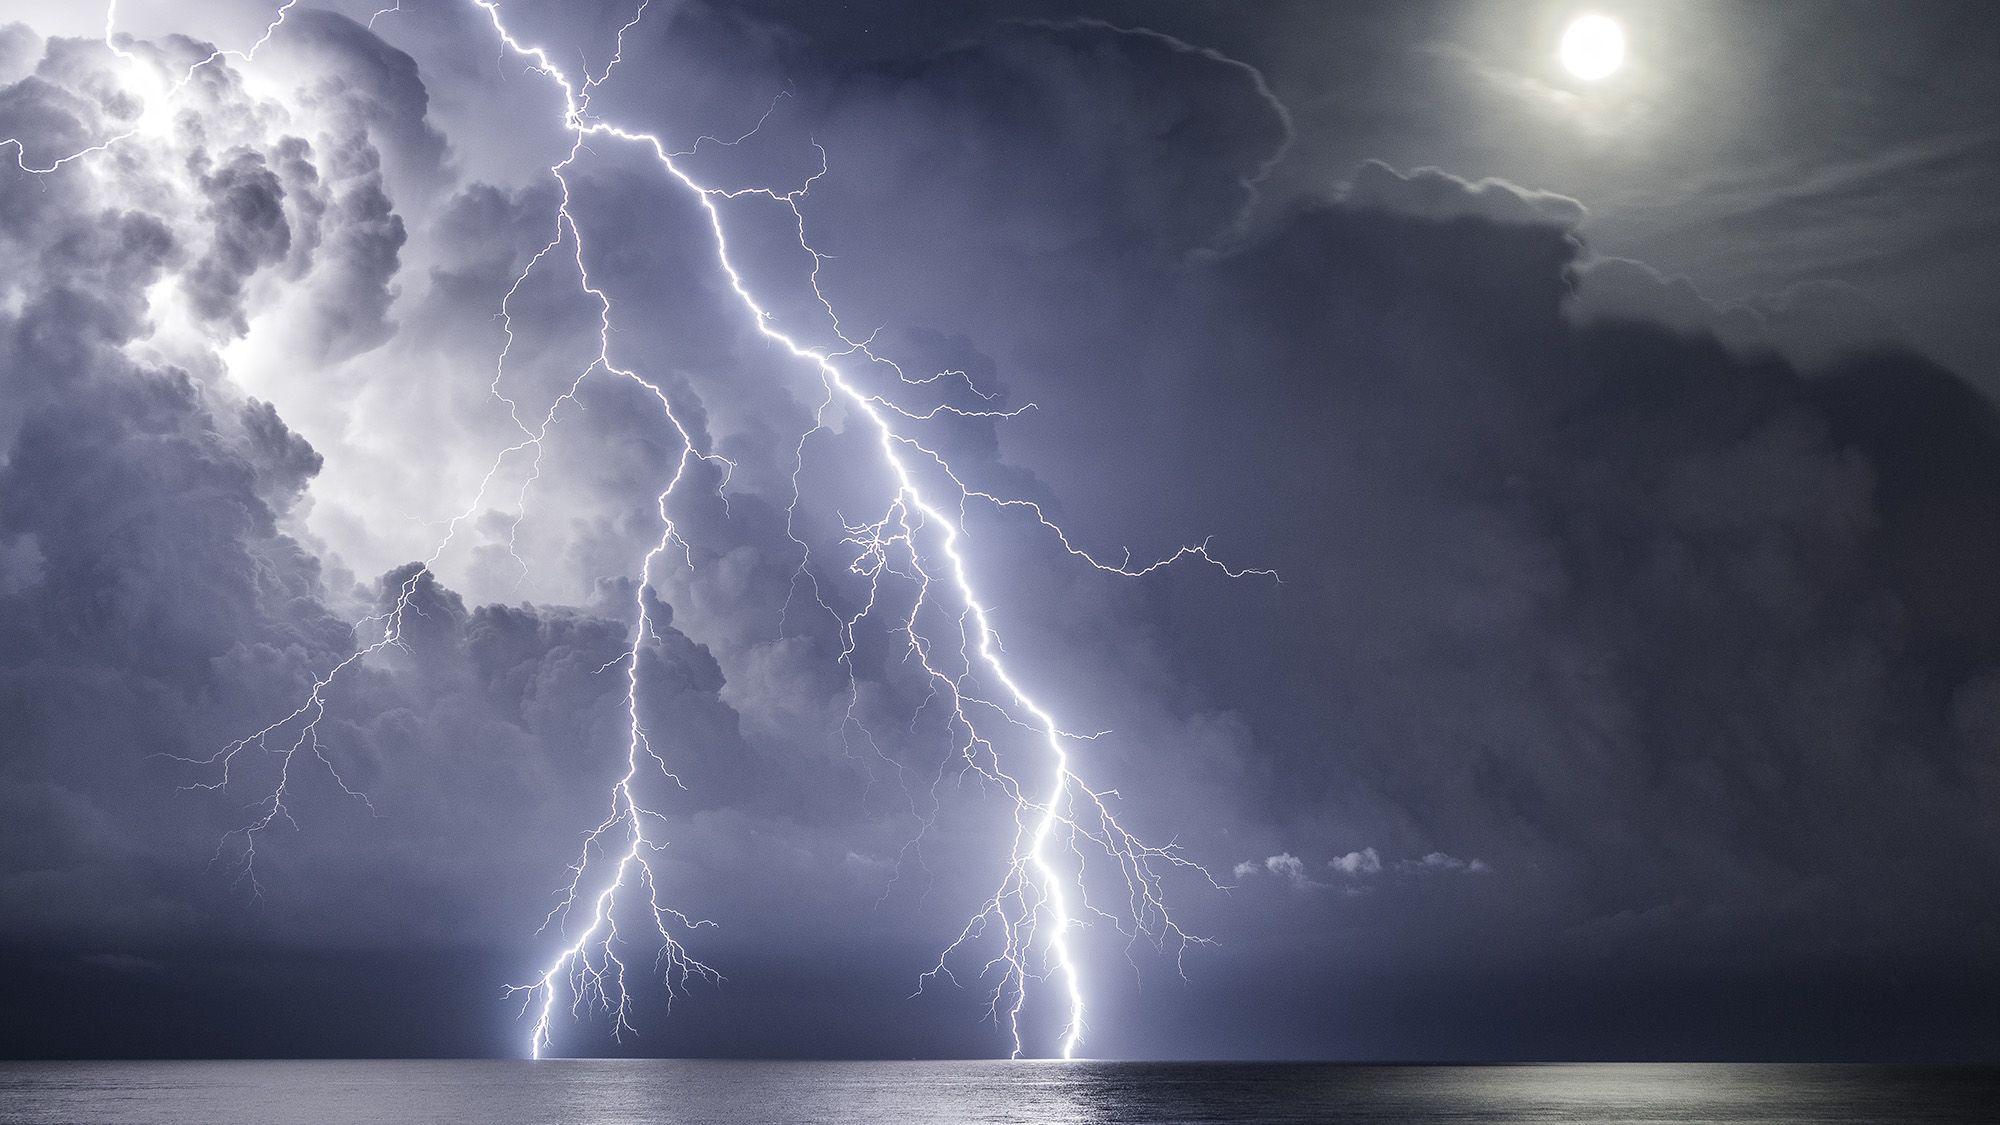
column 1023, row 934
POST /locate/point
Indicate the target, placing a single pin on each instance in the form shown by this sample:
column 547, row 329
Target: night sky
column 1626, row 450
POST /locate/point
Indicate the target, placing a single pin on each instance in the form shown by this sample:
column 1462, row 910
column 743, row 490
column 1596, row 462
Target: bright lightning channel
column 1040, row 899
column 1036, row 885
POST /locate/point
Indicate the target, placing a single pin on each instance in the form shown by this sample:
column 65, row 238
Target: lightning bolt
column 1036, row 906
column 1064, row 829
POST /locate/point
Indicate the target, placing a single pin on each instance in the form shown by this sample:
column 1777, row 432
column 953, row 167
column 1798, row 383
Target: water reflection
column 737, row 1093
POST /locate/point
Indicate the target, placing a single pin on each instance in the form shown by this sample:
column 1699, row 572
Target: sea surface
column 734, row 1093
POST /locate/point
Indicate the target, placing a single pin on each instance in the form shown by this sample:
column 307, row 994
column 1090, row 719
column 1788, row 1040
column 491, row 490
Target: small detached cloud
column 1284, row 865
column 1440, row 863
column 1357, row 866
column 1364, row 862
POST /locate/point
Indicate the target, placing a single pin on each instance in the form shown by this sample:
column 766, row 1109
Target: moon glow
column 1593, row 47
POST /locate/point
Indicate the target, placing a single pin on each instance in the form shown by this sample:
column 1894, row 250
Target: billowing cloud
column 160, row 597
column 1444, row 864
column 1363, row 862
column 1284, row 865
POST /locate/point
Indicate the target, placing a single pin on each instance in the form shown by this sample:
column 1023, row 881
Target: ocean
column 1044, row 1093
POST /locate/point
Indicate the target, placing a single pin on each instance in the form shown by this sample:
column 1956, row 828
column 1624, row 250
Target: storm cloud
column 1626, row 635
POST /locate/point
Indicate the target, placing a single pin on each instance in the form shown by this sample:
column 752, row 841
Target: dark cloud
column 51, row 107
column 1813, row 324
column 1627, row 611
column 246, row 205
column 1618, row 598
column 362, row 247
column 338, row 64
column 373, row 107
column 1047, row 132
column 1663, row 513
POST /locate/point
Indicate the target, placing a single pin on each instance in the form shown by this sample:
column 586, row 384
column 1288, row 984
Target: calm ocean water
column 736, row 1093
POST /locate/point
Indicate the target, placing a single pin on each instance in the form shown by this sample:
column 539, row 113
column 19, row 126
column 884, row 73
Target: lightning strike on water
column 1060, row 828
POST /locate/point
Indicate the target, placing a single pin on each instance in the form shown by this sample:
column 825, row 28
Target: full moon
column 1593, row 47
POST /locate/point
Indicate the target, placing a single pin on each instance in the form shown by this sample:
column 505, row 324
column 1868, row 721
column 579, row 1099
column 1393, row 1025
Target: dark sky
column 1627, row 450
